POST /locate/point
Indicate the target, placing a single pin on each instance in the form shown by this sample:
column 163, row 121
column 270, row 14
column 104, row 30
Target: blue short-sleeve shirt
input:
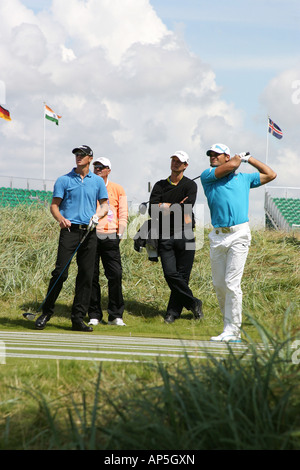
column 79, row 196
column 228, row 197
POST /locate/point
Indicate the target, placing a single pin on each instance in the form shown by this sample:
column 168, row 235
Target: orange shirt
column 116, row 219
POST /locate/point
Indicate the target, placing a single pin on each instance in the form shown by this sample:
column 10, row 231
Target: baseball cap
column 183, row 156
column 85, row 149
column 219, row 148
column 104, row 161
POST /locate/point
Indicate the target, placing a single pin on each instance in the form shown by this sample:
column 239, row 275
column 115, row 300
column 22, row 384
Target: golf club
column 31, row 316
column 143, row 205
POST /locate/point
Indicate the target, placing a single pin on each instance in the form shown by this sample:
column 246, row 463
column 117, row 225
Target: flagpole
column 267, row 149
column 44, row 161
column 265, row 186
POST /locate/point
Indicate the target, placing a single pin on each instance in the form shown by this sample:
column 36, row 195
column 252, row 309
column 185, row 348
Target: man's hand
column 244, row 156
column 183, row 200
column 64, row 223
column 165, row 207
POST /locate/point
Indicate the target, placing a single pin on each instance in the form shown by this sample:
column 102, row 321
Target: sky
column 137, row 80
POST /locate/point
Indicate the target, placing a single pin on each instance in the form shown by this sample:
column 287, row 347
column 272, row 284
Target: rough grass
column 214, row 404
column 233, row 404
column 28, row 247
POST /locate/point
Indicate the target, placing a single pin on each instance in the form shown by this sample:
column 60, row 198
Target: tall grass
column 28, row 248
column 239, row 403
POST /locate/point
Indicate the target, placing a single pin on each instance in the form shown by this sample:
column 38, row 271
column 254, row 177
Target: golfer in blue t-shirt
column 79, row 201
column 227, row 195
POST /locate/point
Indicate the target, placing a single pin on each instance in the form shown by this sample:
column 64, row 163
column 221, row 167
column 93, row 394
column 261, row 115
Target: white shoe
column 226, row 338
column 117, row 321
column 93, row 322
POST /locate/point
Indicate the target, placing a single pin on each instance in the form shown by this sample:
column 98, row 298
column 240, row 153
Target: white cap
column 183, row 156
column 219, row 148
column 104, row 161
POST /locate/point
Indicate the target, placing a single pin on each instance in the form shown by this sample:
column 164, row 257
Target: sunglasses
column 100, row 167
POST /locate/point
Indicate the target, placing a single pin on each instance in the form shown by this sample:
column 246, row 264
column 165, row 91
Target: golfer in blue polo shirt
column 79, row 199
column 227, row 193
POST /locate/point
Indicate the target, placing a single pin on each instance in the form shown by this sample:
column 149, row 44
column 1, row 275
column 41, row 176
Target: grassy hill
column 228, row 404
column 28, row 249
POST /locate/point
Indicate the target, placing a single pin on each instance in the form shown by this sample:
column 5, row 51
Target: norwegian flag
column 275, row 130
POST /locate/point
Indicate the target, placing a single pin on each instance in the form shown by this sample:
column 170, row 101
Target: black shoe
column 197, row 310
column 40, row 323
column 169, row 319
column 81, row 326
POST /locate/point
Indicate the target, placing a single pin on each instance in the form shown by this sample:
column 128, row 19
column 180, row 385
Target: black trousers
column 109, row 252
column 177, row 262
column 85, row 256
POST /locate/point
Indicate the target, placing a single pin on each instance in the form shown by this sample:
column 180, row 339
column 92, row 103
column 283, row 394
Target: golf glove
column 93, row 222
column 244, row 156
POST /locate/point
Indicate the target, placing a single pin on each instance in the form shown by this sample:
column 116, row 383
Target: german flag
column 4, row 114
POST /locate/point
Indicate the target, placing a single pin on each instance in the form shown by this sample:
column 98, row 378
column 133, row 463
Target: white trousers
column 228, row 254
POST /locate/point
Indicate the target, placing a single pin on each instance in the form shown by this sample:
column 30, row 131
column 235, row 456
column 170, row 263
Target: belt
column 78, row 227
column 234, row 228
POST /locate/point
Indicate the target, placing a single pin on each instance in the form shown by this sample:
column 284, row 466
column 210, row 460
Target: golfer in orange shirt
column 109, row 233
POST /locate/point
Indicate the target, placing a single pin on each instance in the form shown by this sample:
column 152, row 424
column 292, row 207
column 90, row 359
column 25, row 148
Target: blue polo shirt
column 79, row 196
column 228, row 197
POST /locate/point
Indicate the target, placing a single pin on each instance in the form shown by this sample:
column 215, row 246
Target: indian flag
column 51, row 115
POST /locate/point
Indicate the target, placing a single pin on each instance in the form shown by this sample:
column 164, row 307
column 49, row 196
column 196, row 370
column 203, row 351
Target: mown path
column 87, row 347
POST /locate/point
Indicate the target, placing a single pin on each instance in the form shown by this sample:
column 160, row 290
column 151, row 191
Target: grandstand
column 282, row 213
column 14, row 196
column 17, row 190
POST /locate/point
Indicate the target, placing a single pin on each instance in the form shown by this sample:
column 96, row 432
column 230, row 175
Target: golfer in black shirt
column 171, row 211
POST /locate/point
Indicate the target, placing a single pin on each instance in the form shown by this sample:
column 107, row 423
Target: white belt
column 234, row 228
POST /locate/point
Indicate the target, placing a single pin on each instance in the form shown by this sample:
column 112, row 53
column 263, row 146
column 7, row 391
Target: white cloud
column 115, row 26
column 13, row 13
column 67, row 54
column 283, row 154
column 28, row 44
column 16, row 130
column 287, row 167
column 278, row 99
column 123, row 84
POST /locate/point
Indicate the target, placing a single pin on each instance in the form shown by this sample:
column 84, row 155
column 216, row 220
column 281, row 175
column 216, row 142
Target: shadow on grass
column 144, row 310
column 133, row 307
column 23, row 324
column 140, row 309
column 62, row 310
